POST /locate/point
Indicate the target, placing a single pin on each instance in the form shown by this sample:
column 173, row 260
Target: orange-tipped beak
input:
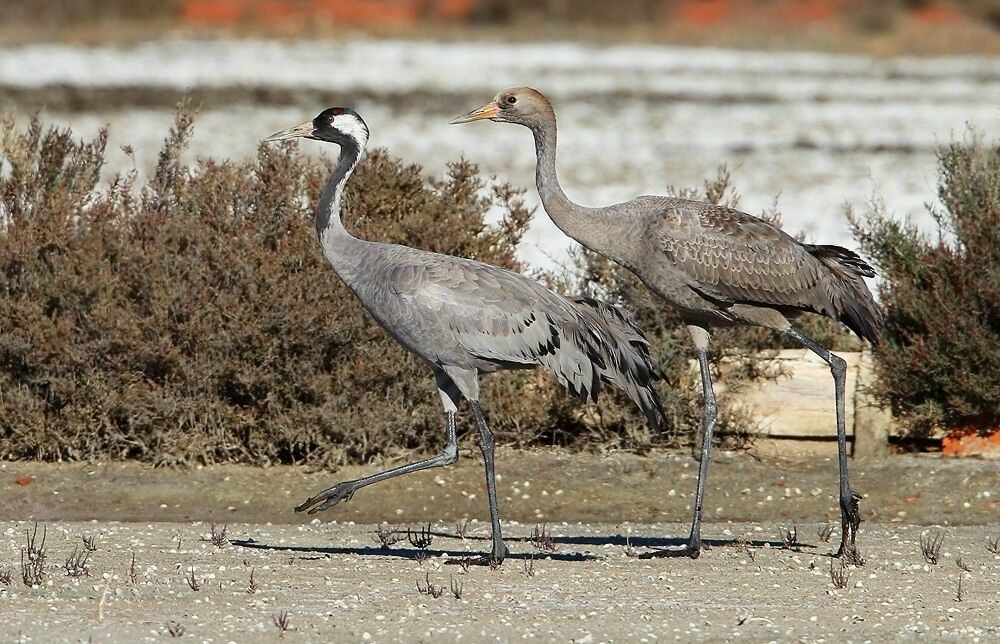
column 488, row 111
column 299, row 131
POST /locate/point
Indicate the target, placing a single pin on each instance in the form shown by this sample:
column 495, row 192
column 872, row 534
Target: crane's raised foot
column 328, row 498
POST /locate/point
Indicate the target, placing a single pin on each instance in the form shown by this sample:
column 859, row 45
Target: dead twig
column 218, row 537
column 961, row 563
column 192, row 581
column 456, row 587
column 960, row 593
column 252, row 586
column 993, row 544
column 132, row 574
column 422, row 539
column 386, row 536
column 76, row 564
column 840, row 576
column 176, row 629
column 281, row 622
column 541, row 539
column 930, row 546
column 629, row 550
column 90, row 542
column 529, row 566
column 790, row 538
column 825, row 532
column 6, row 577
column 461, row 529
column 429, row 588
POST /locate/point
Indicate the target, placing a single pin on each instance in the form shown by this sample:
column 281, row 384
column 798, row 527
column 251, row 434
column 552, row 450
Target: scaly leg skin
column 344, row 490
column 500, row 550
column 709, row 415
column 850, row 513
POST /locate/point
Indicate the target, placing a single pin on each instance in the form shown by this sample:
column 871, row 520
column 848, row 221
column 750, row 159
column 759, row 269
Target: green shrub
column 939, row 366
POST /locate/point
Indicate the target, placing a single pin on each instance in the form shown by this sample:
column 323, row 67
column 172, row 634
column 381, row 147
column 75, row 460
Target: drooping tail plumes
column 852, row 301
column 628, row 364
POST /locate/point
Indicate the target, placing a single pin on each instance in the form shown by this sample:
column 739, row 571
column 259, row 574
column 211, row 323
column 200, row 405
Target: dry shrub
column 938, row 365
column 193, row 318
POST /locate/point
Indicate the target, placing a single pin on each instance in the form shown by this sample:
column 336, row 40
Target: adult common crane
column 717, row 267
column 464, row 318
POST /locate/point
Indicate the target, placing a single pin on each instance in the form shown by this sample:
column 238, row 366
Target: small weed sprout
column 252, row 586
column 629, row 550
column 6, row 577
column 218, row 537
column 76, row 564
column 33, row 557
column 961, row 563
column 840, row 576
column 930, row 546
column 495, row 563
column 457, row 587
column 825, row 532
column 529, row 567
column 176, row 629
column 541, row 539
column 743, row 545
column 421, row 557
column 993, row 544
column 790, row 538
column 133, row 576
column 90, row 542
column 422, row 539
column 281, row 621
column 429, row 588
column 465, row 563
column 192, row 581
column 960, row 592
column 386, row 536
column 461, row 529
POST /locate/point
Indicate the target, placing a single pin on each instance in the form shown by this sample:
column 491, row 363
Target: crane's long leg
column 486, row 445
column 710, row 412
column 850, row 514
column 344, row 490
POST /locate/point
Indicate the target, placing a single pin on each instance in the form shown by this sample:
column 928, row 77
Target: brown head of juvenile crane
column 717, row 267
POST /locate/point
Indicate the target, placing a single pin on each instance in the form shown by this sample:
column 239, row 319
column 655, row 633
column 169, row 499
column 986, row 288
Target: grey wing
column 500, row 319
column 732, row 257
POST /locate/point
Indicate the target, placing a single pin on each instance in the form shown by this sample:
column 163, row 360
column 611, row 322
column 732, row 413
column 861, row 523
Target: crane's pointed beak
column 488, row 111
column 299, row 131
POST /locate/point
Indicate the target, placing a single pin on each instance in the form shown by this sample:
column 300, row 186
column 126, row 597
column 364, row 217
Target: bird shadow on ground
column 629, row 540
column 401, row 553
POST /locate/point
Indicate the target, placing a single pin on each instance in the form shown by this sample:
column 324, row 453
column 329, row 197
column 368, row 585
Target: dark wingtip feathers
column 854, row 304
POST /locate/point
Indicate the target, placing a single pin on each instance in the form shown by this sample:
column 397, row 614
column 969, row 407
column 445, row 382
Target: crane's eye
column 511, row 100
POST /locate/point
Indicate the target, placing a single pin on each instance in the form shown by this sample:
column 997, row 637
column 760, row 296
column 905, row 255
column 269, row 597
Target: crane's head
column 521, row 105
column 340, row 125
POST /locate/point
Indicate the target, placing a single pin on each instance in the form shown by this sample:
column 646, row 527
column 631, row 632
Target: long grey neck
column 589, row 226
column 338, row 245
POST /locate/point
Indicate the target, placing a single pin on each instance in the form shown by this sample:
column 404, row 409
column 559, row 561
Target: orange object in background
column 24, row 480
column 216, row 12
column 808, row 11
column 972, row 440
column 704, row 12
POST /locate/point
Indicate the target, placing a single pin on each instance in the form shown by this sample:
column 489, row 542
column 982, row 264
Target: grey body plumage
column 464, row 318
column 716, row 266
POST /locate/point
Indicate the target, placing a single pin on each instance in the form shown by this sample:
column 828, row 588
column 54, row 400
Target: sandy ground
column 337, row 583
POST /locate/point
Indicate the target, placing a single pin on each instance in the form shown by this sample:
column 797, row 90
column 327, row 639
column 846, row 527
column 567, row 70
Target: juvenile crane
column 717, row 267
column 464, row 318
